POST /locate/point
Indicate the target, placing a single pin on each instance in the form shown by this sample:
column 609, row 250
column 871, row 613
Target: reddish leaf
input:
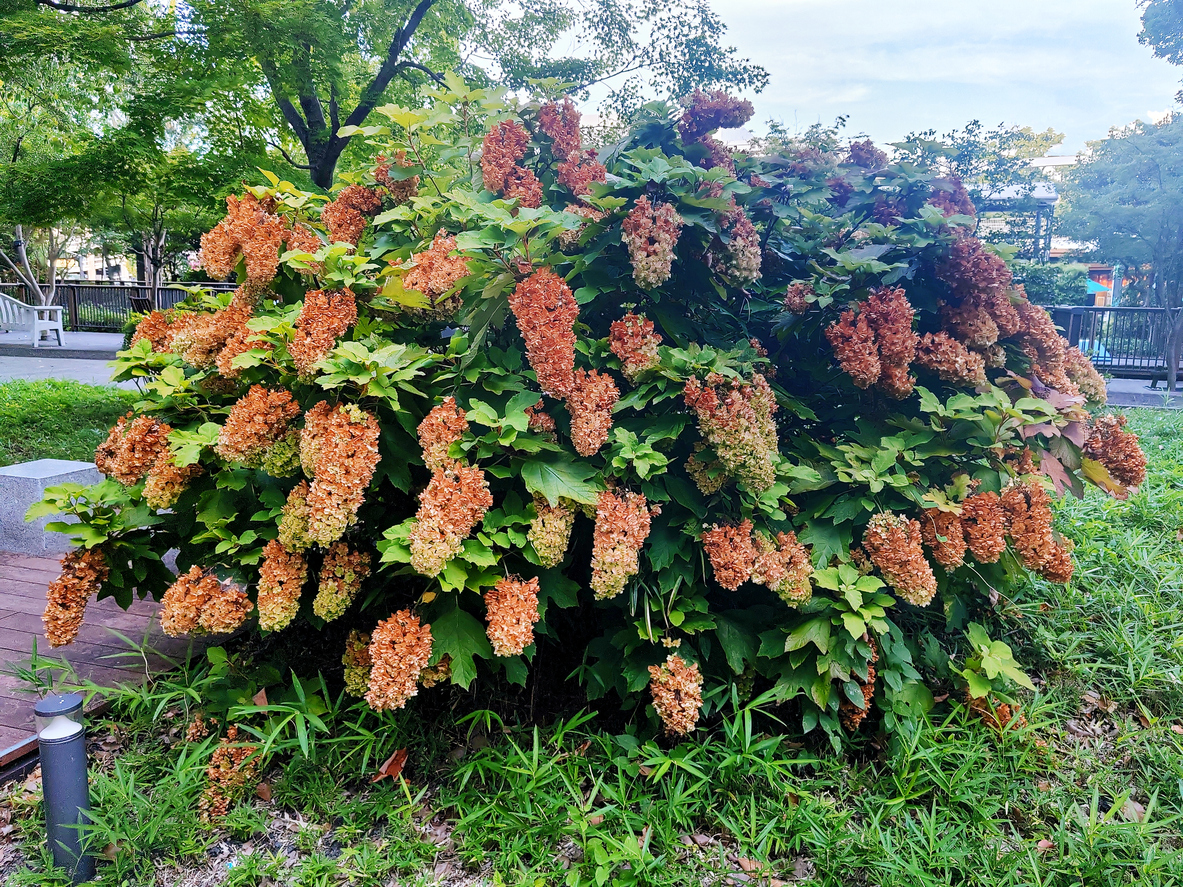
column 393, row 766
column 1045, row 845
column 260, row 698
column 263, row 790
column 1051, row 466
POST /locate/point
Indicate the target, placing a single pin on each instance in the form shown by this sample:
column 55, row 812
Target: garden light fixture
column 61, row 740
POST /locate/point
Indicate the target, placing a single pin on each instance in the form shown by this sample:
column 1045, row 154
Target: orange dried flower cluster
column 257, row 420
column 504, row 145
column 244, row 340
column 400, row 649
column 735, row 417
column 983, row 521
column 342, row 445
column 1085, row 376
column 579, row 170
column 202, row 339
column 970, row 269
column 1045, row 347
column 731, row 553
column 634, row 341
column 560, row 121
column 156, row 327
column 324, row 318
column 570, row 237
column 512, row 607
column 400, row 190
column 707, row 111
column 341, row 576
column 454, row 502
column 293, row 521
column 708, row 474
column 539, row 419
column 676, row 688
column 435, row 674
column 356, row 660
column 1117, row 449
column 230, row 772
column 893, row 544
column 250, row 229
column 797, row 297
column 1029, row 517
column 784, row 567
column 435, row 272
column 550, row 530
column 200, row 600
column 347, row 215
column 741, row 253
column 441, row 427
column 952, row 362
column 951, row 198
column 546, row 311
column 84, row 570
column 866, row 155
column 281, row 580
column 622, row 525
column 942, row 533
column 167, row 480
column 878, row 346
column 651, row 235
column 590, row 402
column 198, row 729
column 132, row 448
column 849, row 713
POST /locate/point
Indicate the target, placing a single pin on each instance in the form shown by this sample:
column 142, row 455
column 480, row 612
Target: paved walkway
column 1138, row 393
column 99, row 654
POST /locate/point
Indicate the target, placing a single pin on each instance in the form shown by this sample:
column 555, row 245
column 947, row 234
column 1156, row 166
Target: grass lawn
column 56, row 419
column 1090, row 792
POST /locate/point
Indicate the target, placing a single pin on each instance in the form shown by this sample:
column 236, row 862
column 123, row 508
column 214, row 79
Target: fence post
column 72, row 307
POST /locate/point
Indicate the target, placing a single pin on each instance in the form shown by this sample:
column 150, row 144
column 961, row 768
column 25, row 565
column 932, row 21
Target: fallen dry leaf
column 260, row 698
column 263, row 790
column 749, row 865
column 1143, row 720
column 596, row 819
column 1132, row 811
column 392, row 766
column 1177, row 728
column 1045, row 845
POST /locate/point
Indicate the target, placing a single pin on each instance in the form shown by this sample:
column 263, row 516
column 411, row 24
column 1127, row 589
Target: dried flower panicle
column 676, row 687
column 797, row 297
column 784, row 567
column 84, row 570
column 942, row 533
column 436, row 674
column 1084, row 375
column 1029, row 517
column 343, row 446
column 435, row 273
column 736, row 418
column 294, row 518
column 199, row 600
column 230, row 773
column 324, row 317
column 198, row 729
column 512, row 608
column 454, row 502
column 878, row 347
column 854, row 346
column 539, row 420
column 951, row 198
column 731, row 552
column 356, row 660
column 167, row 480
column 201, row 340
column 651, row 235
column 634, row 342
column 708, row 474
column 545, row 310
column 341, row 576
column 257, row 420
column 400, row 648
column 590, row 402
column 250, row 229
column 952, row 362
column 550, row 530
column 1046, row 348
column 706, row 112
column 866, row 155
column 1117, row 449
column 983, row 521
column 349, row 213
column 741, row 254
column 156, row 327
column 132, row 448
column 441, row 427
column 893, row 544
column 504, row 145
column 622, row 526
column 400, row 189
column 282, row 575
column 569, row 238
column 579, row 170
column 850, row 714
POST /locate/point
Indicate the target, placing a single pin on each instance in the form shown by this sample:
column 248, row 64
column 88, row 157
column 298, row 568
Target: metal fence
column 105, row 307
column 1123, row 342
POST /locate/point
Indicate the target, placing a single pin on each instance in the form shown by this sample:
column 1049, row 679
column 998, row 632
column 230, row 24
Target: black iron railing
column 1123, row 342
column 105, row 307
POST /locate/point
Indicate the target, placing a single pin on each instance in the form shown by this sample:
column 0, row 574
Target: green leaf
column 458, row 634
column 978, row 685
column 815, row 631
column 558, row 478
column 738, row 643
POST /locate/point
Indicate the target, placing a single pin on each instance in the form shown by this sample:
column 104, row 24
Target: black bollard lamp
column 61, row 740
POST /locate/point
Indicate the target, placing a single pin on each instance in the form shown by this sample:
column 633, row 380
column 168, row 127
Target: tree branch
column 290, row 114
column 436, row 77
column 278, row 147
column 70, row 7
column 372, row 94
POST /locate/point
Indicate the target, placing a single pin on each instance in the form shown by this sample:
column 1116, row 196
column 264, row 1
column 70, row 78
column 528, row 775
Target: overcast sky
column 895, row 66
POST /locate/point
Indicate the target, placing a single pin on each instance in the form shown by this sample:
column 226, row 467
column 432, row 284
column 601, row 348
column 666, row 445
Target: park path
column 99, row 654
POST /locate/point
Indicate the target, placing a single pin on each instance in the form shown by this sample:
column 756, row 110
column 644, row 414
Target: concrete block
column 25, row 483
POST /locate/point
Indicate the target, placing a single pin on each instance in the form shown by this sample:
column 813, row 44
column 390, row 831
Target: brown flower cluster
column 676, row 688
column 866, row 155
column 436, row 674
column 512, row 607
column 1084, row 375
column 441, row 427
column 243, row 340
column 435, row 271
column 1117, row 449
column 342, row 447
column 539, row 419
column 634, row 341
column 250, row 229
column 953, row 199
column 546, row 311
column 281, row 579
column 324, row 318
column 979, row 311
column 198, row 729
column 893, row 544
column 707, row 111
column 651, row 235
column 504, row 145
column 356, row 660
column 400, row 190
column 346, row 217
column 157, row 328
column 282, row 458
column 341, row 576
column 1029, row 517
column 952, row 362
column 708, row 474
column 167, row 480
column 131, row 448
column 797, row 297
column 736, row 418
column 983, row 521
column 257, row 420
column 731, row 552
column 84, row 570
column 570, row 238
column 1043, row 344
column 454, row 502
column 200, row 600
column 293, row 520
column 201, row 340
column 784, row 567
column 560, row 121
column 550, row 530
column 942, row 533
column 400, row 649
column 741, row 254
column 622, row 526
column 230, row 773
column 878, row 346
column 590, row 402
column 850, row 714
column 578, row 171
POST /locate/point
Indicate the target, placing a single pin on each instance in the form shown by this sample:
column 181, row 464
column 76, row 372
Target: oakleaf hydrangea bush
column 771, row 422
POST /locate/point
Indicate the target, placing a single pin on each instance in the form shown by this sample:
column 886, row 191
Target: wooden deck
column 95, row 656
